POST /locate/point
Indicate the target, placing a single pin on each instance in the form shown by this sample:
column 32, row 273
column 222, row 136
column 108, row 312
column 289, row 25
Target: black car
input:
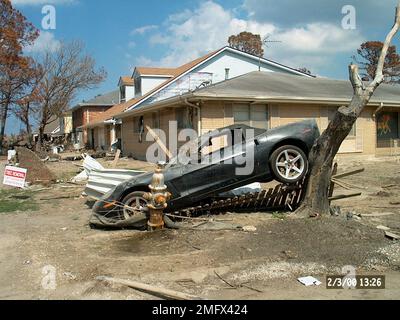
column 279, row 153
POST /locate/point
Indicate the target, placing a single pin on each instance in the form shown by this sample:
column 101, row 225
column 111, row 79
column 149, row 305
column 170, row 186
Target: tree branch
column 379, row 69
column 355, row 79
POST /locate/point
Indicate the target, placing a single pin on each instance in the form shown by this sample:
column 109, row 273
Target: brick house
column 85, row 112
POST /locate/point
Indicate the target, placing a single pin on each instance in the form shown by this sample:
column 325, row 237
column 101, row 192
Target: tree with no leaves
column 16, row 70
column 65, row 71
column 247, row 42
column 327, row 145
column 367, row 59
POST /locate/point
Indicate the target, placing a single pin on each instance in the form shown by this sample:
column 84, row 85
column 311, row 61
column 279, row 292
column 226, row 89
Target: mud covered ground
column 262, row 264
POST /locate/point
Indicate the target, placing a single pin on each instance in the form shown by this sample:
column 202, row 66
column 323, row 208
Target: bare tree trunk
column 3, row 121
column 322, row 154
column 321, row 159
column 39, row 143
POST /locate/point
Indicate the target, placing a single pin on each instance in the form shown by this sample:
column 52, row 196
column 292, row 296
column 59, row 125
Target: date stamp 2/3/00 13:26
column 356, row 282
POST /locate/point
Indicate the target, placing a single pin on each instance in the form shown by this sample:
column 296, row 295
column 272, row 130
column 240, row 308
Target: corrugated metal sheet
column 102, row 181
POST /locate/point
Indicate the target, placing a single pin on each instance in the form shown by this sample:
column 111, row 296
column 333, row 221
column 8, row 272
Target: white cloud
column 41, row 2
column 45, row 41
column 144, row 29
column 313, row 45
column 205, row 29
column 188, row 36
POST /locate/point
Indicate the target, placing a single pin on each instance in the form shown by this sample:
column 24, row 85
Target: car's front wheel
column 289, row 164
column 133, row 204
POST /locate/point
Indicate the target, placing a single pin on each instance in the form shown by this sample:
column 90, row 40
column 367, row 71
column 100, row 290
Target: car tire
column 133, row 200
column 289, row 164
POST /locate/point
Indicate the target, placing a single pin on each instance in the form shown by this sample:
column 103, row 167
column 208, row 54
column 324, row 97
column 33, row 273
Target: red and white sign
column 14, row 176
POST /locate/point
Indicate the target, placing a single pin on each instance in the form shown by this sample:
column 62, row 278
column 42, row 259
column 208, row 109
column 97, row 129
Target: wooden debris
column 332, row 185
column 348, row 173
column 341, row 184
column 377, row 214
column 115, row 162
column 384, row 228
column 159, row 142
column 389, row 186
column 345, row 196
column 392, row 235
column 60, row 197
column 243, row 285
column 156, row 291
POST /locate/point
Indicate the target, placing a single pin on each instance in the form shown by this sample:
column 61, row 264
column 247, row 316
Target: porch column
column 113, row 134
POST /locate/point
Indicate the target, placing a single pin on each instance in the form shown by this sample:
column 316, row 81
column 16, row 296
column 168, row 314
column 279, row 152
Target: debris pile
column 38, row 172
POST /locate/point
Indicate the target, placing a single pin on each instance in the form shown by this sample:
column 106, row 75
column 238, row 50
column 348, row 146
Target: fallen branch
column 345, row 196
column 236, row 287
column 156, row 291
column 350, row 185
column 348, row 173
column 388, row 186
column 340, row 184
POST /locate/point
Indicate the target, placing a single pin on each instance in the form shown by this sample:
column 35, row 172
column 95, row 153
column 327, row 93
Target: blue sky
column 121, row 34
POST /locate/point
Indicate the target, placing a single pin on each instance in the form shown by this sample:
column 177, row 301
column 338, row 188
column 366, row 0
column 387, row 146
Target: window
column 122, row 93
column 251, row 115
column 181, row 118
column 138, row 86
column 353, row 132
column 138, row 124
column 387, row 126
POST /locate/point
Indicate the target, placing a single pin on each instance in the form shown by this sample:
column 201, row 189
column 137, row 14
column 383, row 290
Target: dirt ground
column 54, row 235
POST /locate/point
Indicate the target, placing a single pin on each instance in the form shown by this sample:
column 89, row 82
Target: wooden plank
column 266, row 197
column 345, row 196
column 157, row 291
column 332, row 185
column 116, row 158
column 348, row 173
column 159, row 142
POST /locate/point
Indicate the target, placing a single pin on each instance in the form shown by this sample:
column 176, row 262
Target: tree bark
column 321, row 160
column 3, row 121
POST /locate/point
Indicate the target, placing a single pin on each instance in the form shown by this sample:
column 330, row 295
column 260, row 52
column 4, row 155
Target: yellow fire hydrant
column 157, row 199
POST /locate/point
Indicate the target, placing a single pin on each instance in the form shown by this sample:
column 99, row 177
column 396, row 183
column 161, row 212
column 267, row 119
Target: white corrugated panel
column 102, row 181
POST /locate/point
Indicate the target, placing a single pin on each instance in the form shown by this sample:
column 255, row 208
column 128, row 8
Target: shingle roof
column 127, row 80
column 274, row 86
column 107, row 99
column 157, row 71
column 277, row 87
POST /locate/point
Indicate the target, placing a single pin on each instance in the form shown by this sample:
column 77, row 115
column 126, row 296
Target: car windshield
column 209, row 143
